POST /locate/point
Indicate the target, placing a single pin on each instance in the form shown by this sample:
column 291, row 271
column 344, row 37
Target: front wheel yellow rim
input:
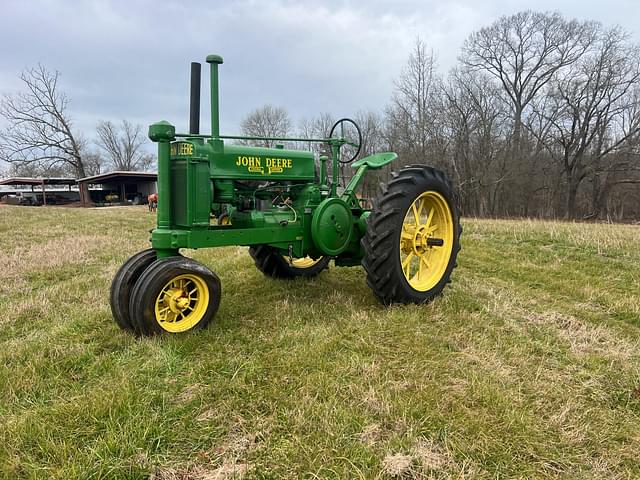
column 305, row 262
column 182, row 303
column 426, row 241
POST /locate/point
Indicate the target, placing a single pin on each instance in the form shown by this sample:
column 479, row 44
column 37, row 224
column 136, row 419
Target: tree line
column 540, row 117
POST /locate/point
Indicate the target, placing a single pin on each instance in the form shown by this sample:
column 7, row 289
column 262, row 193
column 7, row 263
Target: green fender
column 376, row 161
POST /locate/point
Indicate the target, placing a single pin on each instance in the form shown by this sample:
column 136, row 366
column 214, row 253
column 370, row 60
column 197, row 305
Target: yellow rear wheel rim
column 182, row 303
column 306, row 262
column 426, row 241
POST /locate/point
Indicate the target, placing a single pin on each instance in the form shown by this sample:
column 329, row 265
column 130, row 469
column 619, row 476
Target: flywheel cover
column 331, row 226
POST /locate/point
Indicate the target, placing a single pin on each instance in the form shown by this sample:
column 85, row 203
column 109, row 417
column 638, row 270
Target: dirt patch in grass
column 371, row 434
column 226, row 471
column 189, row 393
column 397, row 465
column 430, row 455
column 236, row 446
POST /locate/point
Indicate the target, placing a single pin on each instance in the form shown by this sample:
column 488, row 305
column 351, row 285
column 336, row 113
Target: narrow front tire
column 174, row 295
column 122, row 285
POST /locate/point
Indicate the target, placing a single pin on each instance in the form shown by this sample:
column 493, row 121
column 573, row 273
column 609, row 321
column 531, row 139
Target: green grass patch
column 528, row 366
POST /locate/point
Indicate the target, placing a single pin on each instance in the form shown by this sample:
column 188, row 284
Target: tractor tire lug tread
column 382, row 266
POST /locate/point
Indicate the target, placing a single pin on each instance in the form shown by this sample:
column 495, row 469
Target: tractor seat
column 376, row 160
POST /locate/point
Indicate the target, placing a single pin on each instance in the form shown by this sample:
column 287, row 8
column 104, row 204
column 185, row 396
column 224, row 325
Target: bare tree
column 524, row 51
column 123, row 146
column 410, row 116
column 317, row 127
column 371, row 125
column 266, row 121
column 37, row 170
column 594, row 113
column 373, row 141
column 39, row 132
column 474, row 119
column 94, row 162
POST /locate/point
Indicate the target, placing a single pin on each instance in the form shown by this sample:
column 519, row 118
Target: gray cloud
column 130, row 59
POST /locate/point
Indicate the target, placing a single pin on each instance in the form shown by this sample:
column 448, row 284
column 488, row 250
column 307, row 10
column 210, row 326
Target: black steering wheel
column 349, row 131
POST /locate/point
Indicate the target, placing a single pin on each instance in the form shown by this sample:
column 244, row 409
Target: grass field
column 528, row 366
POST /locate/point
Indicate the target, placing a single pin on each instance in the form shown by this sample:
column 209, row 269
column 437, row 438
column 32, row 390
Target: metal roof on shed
column 38, row 181
column 119, row 176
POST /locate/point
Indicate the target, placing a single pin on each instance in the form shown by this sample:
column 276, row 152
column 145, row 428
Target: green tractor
column 294, row 219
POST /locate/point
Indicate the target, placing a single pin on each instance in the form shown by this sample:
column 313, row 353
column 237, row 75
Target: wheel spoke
column 415, row 213
column 406, row 264
column 430, row 218
column 421, row 204
column 408, row 225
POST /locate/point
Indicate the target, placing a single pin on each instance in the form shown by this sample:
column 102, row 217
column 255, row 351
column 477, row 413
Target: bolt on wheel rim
column 182, row 303
column 426, row 241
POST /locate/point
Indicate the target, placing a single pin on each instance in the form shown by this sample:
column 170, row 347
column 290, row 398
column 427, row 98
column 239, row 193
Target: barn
column 118, row 188
column 111, row 188
column 38, row 191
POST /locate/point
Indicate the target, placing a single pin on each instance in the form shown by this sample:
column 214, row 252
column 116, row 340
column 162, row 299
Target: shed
column 39, row 182
column 118, row 187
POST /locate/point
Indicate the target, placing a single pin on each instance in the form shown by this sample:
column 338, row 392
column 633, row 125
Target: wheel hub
column 182, row 302
column 420, row 241
column 178, row 300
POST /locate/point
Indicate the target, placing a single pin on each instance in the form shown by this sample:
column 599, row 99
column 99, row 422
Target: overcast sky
column 130, row 59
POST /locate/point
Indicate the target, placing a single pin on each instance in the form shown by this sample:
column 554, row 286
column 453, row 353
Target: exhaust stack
column 194, row 104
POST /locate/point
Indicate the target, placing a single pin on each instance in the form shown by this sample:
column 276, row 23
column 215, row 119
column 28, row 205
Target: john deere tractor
column 290, row 211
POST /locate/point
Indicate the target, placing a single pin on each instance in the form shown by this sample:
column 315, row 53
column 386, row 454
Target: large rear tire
column 123, row 283
column 174, row 295
column 273, row 264
column 413, row 237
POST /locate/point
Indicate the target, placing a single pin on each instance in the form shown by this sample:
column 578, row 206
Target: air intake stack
column 214, row 61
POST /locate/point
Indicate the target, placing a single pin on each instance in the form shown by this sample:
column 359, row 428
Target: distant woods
column 540, row 117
